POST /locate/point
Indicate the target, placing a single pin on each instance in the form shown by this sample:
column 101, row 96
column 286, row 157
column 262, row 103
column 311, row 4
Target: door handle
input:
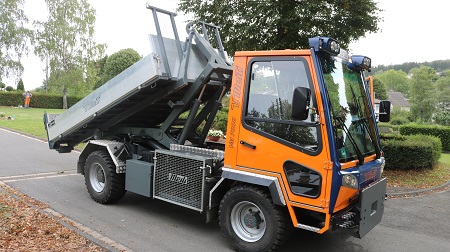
column 251, row 146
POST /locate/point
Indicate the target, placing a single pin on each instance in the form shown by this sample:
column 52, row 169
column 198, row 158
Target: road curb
column 420, row 191
column 23, row 134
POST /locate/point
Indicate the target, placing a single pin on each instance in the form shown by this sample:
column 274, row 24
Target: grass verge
column 425, row 178
column 29, row 121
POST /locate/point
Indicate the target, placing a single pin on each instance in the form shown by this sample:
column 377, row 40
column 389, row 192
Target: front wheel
column 103, row 183
column 251, row 221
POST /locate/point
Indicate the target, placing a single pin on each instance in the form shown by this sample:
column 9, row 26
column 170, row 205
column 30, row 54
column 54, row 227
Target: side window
column 269, row 102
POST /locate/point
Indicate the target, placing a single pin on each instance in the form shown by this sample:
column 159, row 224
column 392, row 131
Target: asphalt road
column 142, row 224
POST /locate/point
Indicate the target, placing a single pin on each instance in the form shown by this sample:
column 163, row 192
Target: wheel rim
column 247, row 221
column 97, row 177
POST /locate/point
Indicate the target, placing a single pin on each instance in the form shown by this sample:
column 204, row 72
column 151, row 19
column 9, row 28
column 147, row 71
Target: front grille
column 179, row 178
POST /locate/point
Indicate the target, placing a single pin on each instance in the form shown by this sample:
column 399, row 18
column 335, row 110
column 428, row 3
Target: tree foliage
column 438, row 65
column 395, row 81
column 423, row 93
column 379, row 89
column 117, row 63
column 268, row 25
column 100, row 66
column 66, row 39
column 443, row 86
column 442, row 118
column 13, row 37
column 20, row 85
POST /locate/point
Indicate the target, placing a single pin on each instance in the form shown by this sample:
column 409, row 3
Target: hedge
column 441, row 132
column 413, row 152
column 392, row 127
column 39, row 100
column 386, row 136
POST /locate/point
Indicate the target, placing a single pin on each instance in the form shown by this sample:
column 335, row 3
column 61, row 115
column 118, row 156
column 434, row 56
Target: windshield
column 350, row 111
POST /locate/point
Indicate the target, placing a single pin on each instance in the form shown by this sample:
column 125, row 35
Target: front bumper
column 364, row 214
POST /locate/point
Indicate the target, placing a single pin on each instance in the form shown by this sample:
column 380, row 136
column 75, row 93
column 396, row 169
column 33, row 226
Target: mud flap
column 372, row 207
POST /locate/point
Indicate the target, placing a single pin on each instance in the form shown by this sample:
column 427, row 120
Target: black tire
column 250, row 220
column 103, row 183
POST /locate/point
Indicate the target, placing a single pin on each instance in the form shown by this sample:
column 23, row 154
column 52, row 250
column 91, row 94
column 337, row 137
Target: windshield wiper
column 341, row 122
column 352, row 140
column 367, row 125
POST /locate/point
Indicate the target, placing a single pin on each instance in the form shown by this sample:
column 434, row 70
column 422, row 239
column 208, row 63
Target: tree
column 20, row 85
column 443, row 86
column 423, row 93
column 379, row 89
column 268, row 25
column 66, row 40
column 9, row 89
column 438, row 65
column 100, row 66
column 442, row 118
column 118, row 62
column 2, row 85
column 395, row 81
column 13, row 37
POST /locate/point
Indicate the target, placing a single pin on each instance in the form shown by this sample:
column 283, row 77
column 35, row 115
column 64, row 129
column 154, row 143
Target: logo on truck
column 178, row 178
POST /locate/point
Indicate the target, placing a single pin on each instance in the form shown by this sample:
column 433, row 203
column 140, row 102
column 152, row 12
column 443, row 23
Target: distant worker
column 27, row 96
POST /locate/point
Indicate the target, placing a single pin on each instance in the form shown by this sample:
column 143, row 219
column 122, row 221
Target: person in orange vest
column 27, row 96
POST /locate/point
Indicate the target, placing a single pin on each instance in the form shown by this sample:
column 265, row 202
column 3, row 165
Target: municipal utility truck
column 301, row 149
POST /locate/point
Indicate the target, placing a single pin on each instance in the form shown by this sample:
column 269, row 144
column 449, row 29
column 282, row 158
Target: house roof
column 397, row 99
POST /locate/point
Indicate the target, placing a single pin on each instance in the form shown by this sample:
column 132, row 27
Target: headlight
column 361, row 63
column 325, row 44
column 334, row 46
column 349, row 180
column 367, row 62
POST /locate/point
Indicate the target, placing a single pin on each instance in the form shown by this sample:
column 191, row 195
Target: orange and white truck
column 301, row 150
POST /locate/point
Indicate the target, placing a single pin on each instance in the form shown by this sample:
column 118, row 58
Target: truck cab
column 305, row 118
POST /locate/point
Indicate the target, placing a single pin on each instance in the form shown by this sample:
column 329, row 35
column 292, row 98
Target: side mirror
column 300, row 103
column 385, row 111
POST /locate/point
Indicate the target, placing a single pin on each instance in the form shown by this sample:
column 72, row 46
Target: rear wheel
column 251, row 221
column 103, row 183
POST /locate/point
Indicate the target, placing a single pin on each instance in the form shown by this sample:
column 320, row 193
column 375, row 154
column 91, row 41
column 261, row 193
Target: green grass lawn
column 425, row 178
column 29, row 121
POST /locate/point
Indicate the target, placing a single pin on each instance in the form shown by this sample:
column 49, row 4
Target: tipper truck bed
column 146, row 88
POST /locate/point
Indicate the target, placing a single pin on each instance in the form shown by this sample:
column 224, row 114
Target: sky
column 411, row 31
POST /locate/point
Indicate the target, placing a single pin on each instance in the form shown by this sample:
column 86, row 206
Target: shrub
column 385, row 136
column 441, row 132
column 220, row 121
column 442, row 118
column 215, row 133
column 434, row 141
column 399, row 121
column 414, row 152
column 387, row 128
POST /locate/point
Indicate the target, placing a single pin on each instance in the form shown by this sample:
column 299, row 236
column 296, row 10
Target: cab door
column 271, row 142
